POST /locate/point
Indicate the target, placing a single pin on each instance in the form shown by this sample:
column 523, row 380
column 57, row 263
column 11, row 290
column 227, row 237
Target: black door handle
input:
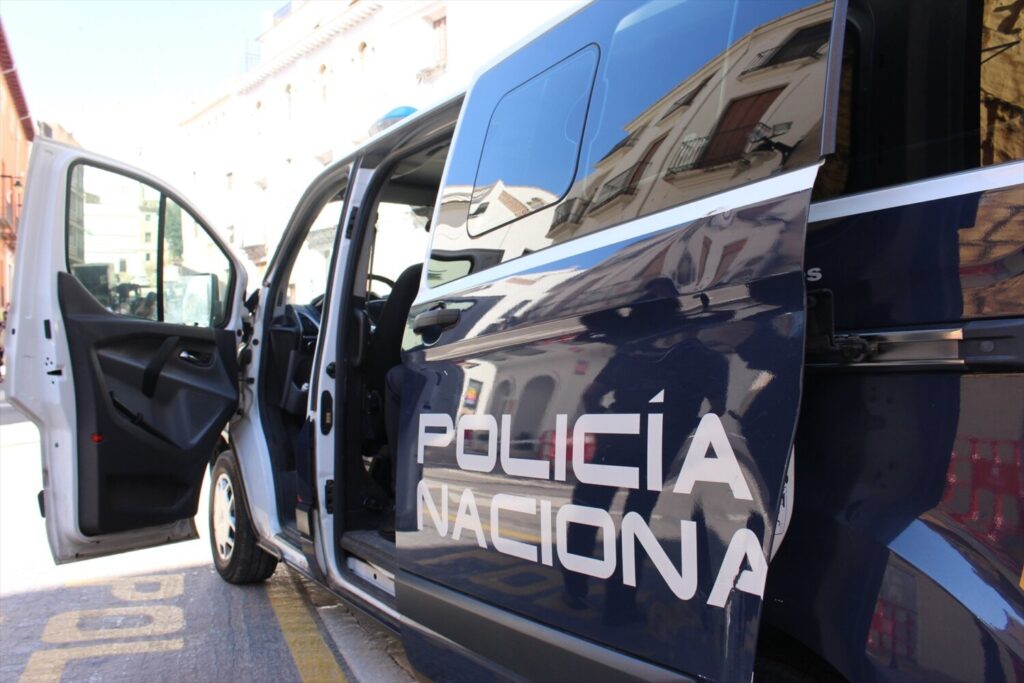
column 435, row 319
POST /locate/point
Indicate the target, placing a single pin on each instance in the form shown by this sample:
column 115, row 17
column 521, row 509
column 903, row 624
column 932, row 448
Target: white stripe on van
column 954, row 185
column 748, row 195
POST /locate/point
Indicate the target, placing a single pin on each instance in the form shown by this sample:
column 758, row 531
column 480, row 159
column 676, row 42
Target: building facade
column 329, row 75
column 16, row 135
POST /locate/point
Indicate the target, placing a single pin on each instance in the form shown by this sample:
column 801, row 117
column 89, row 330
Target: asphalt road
column 161, row 614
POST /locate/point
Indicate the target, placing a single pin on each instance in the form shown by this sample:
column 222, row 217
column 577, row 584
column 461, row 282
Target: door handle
column 436, row 318
column 194, row 357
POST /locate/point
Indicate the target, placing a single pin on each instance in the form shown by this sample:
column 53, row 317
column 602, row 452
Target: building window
column 804, row 43
column 440, row 28
column 626, row 183
column 735, row 128
column 686, row 100
column 148, row 236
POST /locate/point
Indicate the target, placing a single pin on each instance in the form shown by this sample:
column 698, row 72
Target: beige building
column 687, row 143
column 329, row 71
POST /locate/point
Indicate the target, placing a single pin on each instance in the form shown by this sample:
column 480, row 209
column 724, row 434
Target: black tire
column 236, row 555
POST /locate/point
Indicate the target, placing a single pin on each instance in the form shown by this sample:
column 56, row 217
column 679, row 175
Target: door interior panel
column 152, row 399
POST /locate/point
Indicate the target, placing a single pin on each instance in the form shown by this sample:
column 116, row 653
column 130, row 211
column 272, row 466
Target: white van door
column 121, row 340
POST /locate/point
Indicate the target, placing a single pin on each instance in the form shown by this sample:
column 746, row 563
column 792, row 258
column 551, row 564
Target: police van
column 688, row 344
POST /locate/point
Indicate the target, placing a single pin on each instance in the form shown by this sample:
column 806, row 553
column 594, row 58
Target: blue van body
column 712, row 369
column 903, row 559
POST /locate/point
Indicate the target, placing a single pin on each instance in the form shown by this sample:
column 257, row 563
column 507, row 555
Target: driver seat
column 385, row 348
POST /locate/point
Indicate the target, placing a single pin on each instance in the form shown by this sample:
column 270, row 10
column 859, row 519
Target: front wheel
column 236, row 555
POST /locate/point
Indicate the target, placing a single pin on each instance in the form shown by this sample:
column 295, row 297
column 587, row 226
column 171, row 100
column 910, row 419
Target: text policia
column 744, row 566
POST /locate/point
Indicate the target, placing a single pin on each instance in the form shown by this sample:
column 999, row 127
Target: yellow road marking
column 168, row 586
column 64, row 627
column 47, row 666
column 313, row 659
column 127, row 588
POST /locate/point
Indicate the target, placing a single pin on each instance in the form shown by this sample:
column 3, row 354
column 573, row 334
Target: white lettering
column 654, row 451
column 440, row 440
column 440, row 519
column 722, row 469
column 519, row 467
column 743, row 546
column 480, row 444
column 683, row 584
column 591, row 566
column 604, row 475
column 561, row 435
column 477, row 462
column 545, row 533
column 468, row 517
column 502, row 544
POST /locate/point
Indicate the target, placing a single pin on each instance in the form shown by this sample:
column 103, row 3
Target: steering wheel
column 379, row 278
column 294, row 322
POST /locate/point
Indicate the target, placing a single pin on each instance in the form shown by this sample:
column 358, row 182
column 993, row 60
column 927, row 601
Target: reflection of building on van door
column 690, row 142
column 671, row 245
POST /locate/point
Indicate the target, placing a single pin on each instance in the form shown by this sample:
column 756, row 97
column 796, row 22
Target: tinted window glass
column 690, row 99
column 532, row 144
column 197, row 274
column 141, row 254
column 112, row 245
column 956, row 102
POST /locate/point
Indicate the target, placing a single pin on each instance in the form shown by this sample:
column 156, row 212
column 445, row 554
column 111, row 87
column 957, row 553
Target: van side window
column 532, row 144
column 196, row 273
column 957, row 105
column 689, row 100
column 140, row 254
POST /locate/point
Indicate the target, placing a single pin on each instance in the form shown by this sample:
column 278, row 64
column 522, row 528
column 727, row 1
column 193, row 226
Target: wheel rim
column 224, row 517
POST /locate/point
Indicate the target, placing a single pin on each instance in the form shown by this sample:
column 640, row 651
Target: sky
column 112, row 72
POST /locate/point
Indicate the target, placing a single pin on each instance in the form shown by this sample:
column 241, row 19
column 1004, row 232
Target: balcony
column 570, row 211
column 623, row 184
column 688, row 155
column 723, row 147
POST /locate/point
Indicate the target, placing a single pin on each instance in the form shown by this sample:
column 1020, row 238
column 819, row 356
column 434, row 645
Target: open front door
column 122, row 343
column 598, row 421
